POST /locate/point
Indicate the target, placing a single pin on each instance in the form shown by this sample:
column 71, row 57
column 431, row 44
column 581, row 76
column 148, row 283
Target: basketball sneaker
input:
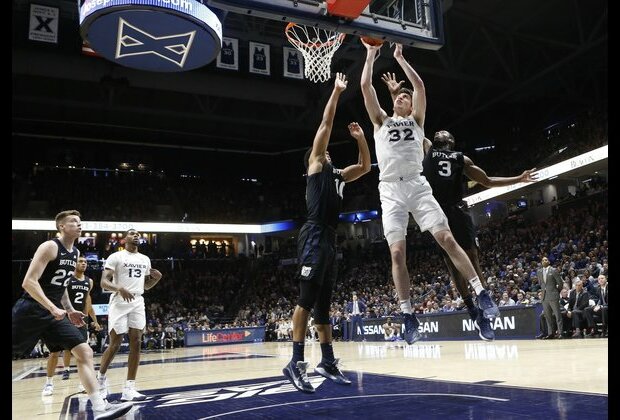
column 411, row 328
column 48, row 390
column 112, row 411
column 65, row 374
column 130, row 394
column 489, row 308
column 483, row 325
column 296, row 373
column 331, row 371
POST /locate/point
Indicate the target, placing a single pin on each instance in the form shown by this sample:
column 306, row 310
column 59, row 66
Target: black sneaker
column 296, row 373
column 483, row 325
column 489, row 308
column 65, row 375
column 331, row 371
column 411, row 328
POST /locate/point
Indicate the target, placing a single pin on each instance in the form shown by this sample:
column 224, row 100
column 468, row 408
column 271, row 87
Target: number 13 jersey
column 130, row 270
column 399, row 147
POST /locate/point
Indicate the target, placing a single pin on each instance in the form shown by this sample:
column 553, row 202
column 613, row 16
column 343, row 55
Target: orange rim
column 317, row 45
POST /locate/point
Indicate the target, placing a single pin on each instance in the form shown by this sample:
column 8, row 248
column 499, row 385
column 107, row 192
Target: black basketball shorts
column 32, row 322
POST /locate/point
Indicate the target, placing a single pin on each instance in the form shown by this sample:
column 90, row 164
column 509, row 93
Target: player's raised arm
column 321, row 139
column 353, row 172
column 475, row 173
column 376, row 114
column 419, row 91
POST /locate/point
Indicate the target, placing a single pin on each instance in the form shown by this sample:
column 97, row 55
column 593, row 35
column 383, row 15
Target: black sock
column 471, row 308
column 328, row 353
column 298, row 351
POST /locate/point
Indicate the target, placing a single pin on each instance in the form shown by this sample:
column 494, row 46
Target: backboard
column 414, row 23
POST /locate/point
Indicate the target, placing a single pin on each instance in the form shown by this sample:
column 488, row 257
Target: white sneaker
column 48, row 390
column 103, row 387
column 130, row 394
column 112, row 411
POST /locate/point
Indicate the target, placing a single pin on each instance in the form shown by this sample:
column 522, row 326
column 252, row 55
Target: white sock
column 100, row 375
column 130, row 384
column 405, row 306
column 50, row 380
column 475, row 283
column 97, row 401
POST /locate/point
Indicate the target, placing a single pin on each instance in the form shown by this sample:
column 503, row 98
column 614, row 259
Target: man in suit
column 356, row 308
column 578, row 301
column 601, row 297
column 551, row 284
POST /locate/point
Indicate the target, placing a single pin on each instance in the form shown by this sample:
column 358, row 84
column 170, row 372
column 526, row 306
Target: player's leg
column 63, row 334
column 86, row 371
column 133, row 361
column 312, row 267
column 66, row 359
column 395, row 218
column 429, row 216
column 52, row 362
column 328, row 367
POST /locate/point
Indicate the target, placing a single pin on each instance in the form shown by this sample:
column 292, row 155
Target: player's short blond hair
column 60, row 217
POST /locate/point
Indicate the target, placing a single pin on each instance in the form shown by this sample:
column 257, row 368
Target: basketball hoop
column 317, row 46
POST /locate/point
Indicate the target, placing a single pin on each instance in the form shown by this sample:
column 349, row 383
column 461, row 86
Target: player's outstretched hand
column 356, row 131
column 529, row 175
column 393, row 85
column 340, row 83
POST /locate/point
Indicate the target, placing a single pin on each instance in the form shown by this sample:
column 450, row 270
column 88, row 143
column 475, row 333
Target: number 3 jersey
column 399, row 146
column 78, row 292
column 57, row 273
column 324, row 192
column 444, row 171
column 130, row 270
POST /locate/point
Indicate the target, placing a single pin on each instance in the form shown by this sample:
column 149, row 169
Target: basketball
column 371, row 41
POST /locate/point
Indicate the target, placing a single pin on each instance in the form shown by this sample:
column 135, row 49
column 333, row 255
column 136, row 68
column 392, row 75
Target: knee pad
column 308, row 292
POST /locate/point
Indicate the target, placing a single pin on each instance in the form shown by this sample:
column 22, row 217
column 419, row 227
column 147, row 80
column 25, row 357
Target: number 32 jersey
column 130, row 270
column 444, row 171
column 399, row 146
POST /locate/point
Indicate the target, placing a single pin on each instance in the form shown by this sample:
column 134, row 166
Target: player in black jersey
column 79, row 288
column 444, row 169
column 316, row 246
column 37, row 313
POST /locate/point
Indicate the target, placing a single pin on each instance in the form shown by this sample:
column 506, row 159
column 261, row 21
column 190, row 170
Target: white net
column 317, row 46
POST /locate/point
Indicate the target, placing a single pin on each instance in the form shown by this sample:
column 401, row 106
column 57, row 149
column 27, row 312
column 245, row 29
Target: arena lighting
column 97, row 226
column 543, row 174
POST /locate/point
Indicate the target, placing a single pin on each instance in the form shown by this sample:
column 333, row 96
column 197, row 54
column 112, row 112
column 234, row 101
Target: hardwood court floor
column 240, row 374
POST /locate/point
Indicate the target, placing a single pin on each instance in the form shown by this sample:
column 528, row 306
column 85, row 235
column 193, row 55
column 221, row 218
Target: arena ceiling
column 505, row 64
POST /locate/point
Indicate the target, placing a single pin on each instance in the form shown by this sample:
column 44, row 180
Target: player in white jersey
column 400, row 144
column 127, row 273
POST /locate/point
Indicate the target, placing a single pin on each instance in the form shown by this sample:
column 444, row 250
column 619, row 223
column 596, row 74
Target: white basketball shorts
column 398, row 198
column 124, row 315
